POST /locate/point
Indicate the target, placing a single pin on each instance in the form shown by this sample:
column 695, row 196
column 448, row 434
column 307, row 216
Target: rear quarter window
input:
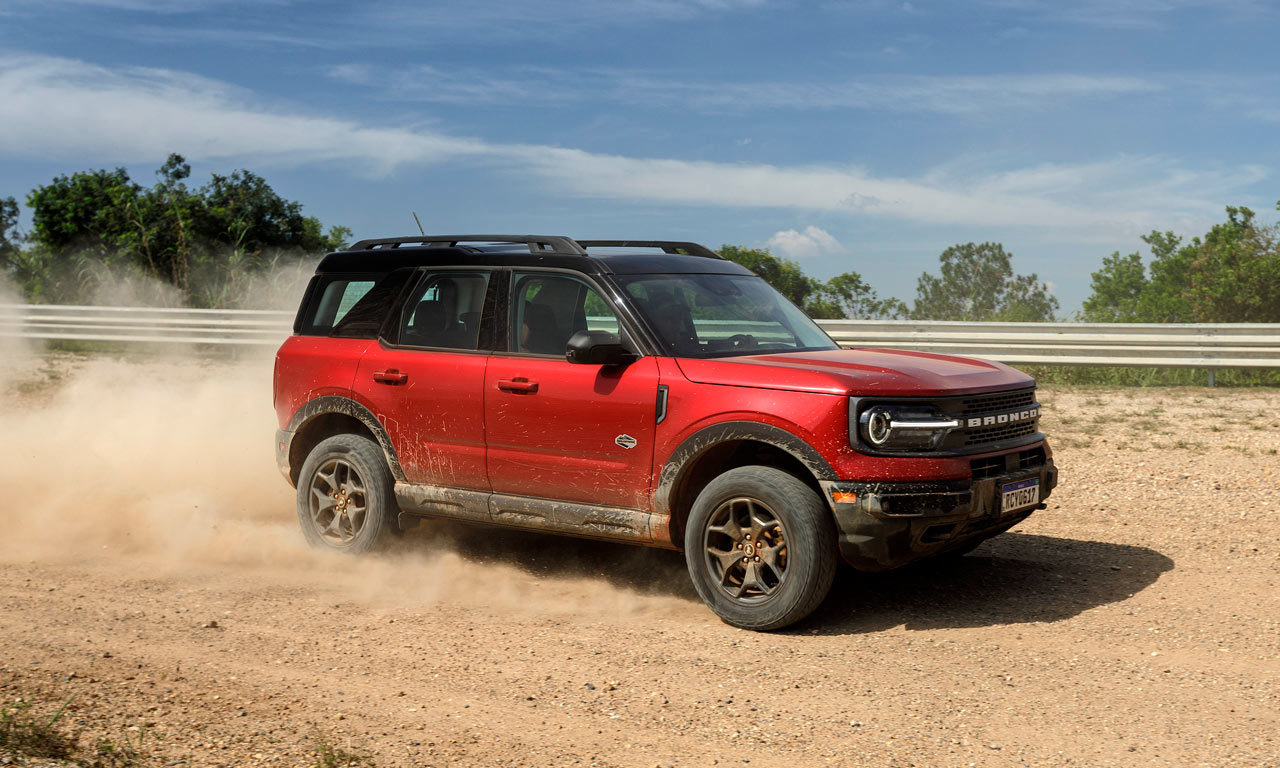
column 351, row 305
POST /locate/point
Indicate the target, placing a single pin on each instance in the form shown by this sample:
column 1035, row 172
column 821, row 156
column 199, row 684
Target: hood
column 882, row 372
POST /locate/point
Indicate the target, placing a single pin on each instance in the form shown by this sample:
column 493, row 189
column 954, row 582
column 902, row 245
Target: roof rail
column 536, row 243
column 667, row 246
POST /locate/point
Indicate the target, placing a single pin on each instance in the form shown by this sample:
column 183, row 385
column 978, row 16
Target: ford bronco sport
column 649, row 392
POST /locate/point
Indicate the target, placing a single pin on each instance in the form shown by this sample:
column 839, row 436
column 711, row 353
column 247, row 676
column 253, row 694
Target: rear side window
column 445, row 311
column 350, row 305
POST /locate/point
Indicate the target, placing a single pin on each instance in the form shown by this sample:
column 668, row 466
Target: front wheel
column 346, row 498
column 761, row 548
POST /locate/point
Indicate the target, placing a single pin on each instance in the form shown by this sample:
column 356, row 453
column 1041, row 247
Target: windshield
column 718, row 315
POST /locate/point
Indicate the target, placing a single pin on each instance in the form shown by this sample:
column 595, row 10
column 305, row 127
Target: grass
column 23, row 733
column 1117, row 376
column 329, row 756
column 108, row 754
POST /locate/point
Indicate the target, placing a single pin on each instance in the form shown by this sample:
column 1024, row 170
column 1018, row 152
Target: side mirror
column 597, row 348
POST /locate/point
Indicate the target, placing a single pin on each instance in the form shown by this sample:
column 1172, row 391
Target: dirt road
column 152, row 568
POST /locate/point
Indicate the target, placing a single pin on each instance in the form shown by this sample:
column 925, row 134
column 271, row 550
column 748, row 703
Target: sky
column 861, row 135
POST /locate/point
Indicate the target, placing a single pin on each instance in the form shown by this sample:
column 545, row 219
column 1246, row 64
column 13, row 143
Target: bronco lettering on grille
column 1012, row 417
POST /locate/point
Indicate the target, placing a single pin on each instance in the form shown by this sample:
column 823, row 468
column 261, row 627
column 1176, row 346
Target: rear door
column 560, row 430
column 426, row 379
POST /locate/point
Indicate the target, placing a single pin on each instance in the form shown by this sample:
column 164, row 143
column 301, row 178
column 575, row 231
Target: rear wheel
column 345, row 495
column 761, row 548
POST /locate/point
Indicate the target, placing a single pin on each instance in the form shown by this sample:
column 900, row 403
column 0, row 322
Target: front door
column 561, row 430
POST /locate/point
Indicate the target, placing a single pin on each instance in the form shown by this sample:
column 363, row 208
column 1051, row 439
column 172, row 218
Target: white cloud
column 60, row 107
column 1135, row 14
column 805, row 244
column 149, row 6
column 521, row 18
column 73, row 110
column 951, row 94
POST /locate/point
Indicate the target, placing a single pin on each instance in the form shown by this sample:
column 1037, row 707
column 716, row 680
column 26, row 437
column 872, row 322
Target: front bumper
column 891, row 524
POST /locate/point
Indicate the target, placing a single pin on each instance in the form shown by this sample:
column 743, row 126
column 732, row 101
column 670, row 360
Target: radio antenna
column 419, row 223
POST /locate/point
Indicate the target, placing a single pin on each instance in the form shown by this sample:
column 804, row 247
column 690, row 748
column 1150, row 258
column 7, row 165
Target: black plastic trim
column 729, row 431
column 345, row 406
column 536, row 243
column 857, row 404
column 667, row 246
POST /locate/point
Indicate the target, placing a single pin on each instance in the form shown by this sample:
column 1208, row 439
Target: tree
column 977, row 283
column 8, row 226
column 1164, row 299
column 1117, row 290
column 1235, row 272
column 1229, row 276
column 203, row 241
column 843, row 296
column 848, row 296
column 24, row 267
column 784, row 275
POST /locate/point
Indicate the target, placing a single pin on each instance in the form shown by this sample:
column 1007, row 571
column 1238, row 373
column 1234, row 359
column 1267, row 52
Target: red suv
column 641, row 391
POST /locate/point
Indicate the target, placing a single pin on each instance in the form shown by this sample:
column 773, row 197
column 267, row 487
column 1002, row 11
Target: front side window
column 444, row 311
column 701, row 315
column 548, row 308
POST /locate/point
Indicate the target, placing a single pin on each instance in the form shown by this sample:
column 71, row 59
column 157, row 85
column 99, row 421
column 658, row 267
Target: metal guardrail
column 1124, row 344
column 1173, row 345
column 144, row 324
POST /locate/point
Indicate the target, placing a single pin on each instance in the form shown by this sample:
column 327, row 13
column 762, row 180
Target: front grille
column 1032, row 458
column 997, row 401
column 983, row 435
column 991, row 466
column 1006, row 464
column 1000, row 420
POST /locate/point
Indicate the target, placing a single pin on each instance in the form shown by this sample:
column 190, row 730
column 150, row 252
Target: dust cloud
column 165, row 463
column 16, row 354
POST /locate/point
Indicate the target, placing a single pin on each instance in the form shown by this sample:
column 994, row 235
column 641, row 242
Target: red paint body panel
column 308, row 367
column 821, row 420
column 559, row 442
column 435, row 418
column 451, row 424
column 881, row 372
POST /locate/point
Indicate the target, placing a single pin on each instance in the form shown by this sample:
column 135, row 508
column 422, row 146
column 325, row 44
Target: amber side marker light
column 844, row 497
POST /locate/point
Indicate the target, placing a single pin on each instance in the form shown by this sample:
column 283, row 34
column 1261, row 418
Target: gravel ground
column 153, row 571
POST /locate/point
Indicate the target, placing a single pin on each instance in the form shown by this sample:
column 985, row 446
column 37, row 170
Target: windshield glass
column 718, row 315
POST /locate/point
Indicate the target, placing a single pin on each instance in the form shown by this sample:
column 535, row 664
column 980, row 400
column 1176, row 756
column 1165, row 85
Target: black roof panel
column 632, row 263
column 625, row 263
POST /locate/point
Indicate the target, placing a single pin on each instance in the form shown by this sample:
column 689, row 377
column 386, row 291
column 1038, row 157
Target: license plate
column 1014, row 496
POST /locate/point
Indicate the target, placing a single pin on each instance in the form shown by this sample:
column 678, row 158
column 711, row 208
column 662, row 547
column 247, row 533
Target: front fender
column 728, row 431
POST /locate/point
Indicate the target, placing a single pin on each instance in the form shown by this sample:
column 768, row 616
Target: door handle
column 520, row 385
column 390, row 376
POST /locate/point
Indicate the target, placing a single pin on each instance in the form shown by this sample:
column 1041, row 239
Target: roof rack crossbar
column 667, row 246
column 536, row 243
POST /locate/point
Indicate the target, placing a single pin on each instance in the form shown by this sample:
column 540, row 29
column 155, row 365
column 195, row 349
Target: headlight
column 904, row 427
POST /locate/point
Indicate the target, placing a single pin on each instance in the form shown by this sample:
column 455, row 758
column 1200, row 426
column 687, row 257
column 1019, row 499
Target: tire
column 789, row 577
column 346, row 499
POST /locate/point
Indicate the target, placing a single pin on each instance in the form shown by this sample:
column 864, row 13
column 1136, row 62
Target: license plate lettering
column 1014, row 496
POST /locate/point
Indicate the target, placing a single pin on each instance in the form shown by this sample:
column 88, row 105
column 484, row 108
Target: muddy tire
column 345, row 496
column 761, row 548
